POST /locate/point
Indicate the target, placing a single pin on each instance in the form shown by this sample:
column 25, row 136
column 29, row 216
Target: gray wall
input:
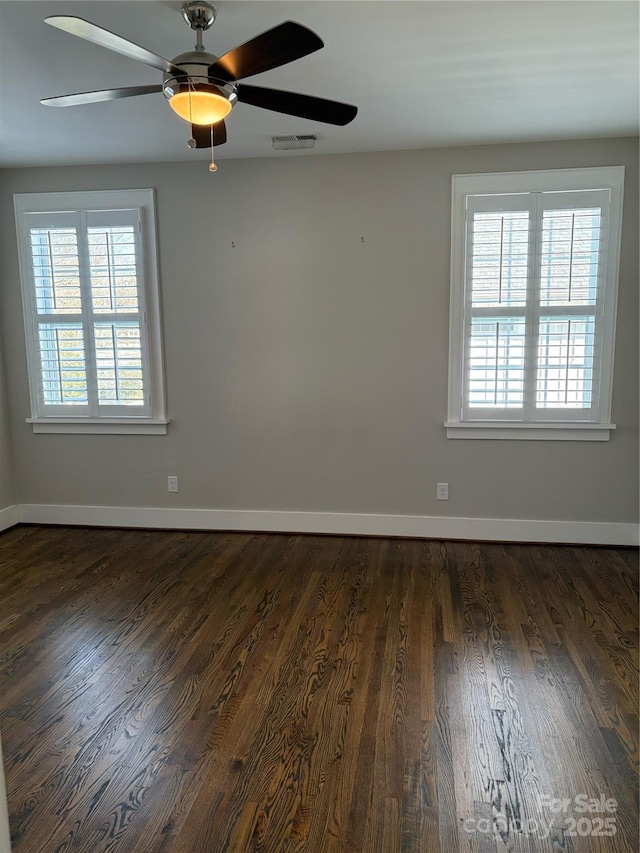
column 306, row 369
column 7, row 495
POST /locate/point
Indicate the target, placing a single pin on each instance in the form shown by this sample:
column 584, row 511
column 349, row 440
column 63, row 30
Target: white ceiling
column 423, row 74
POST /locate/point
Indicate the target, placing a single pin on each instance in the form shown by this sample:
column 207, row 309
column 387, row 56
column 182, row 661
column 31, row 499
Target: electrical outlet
column 172, row 484
column 442, row 491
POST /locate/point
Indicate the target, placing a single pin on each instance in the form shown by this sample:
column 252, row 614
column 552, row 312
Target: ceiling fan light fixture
column 199, row 99
column 200, row 107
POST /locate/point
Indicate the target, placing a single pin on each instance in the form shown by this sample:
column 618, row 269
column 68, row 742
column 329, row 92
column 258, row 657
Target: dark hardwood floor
column 185, row 692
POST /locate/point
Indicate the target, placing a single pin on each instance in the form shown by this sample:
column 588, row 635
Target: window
column 90, row 295
column 534, row 272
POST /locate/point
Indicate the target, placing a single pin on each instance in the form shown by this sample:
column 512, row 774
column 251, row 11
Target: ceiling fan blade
column 102, row 95
column 282, row 44
column 202, row 134
column 91, row 32
column 294, row 104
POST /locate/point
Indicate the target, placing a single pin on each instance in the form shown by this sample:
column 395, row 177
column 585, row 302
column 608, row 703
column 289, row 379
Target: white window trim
column 556, row 180
column 144, row 199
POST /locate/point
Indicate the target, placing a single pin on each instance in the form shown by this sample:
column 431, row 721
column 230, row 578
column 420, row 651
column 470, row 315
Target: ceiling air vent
column 286, row 142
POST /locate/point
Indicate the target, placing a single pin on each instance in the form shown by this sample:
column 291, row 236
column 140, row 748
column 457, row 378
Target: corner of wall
column 8, row 508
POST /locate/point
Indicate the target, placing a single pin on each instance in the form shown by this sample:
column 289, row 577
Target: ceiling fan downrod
column 200, row 16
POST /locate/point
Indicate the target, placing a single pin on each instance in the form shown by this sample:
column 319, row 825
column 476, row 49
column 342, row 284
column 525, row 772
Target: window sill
column 529, row 432
column 100, row 426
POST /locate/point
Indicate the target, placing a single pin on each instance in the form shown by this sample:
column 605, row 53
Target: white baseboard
column 414, row 526
column 8, row 517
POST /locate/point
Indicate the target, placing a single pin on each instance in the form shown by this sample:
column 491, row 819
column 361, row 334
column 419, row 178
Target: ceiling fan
column 202, row 88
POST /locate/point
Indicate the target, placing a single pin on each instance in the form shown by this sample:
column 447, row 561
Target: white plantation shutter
column 117, row 305
column 571, row 297
column 498, row 261
column 86, row 270
column 54, row 247
column 55, row 269
column 63, row 364
column 534, row 281
column 86, row 315
column 533, row 294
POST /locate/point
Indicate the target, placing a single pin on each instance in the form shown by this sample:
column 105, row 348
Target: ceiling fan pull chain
column 212, row 165
column 191, row 141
